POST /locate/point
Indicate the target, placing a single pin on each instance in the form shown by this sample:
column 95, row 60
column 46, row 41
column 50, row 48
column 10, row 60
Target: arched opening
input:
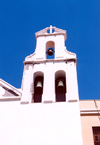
column 38, row 87
column 60, row 86
column 50, row 50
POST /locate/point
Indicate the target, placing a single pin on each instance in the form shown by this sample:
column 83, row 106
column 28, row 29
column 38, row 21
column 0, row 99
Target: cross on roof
column 50, row 29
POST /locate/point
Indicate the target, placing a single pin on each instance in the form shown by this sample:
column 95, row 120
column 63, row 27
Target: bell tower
column 51, row 69
column 50, row 81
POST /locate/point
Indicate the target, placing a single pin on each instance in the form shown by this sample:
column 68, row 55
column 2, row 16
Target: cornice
column 90, row 111
column 50, row 60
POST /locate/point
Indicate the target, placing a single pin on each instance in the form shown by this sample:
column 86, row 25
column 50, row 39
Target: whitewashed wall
column 40, row 124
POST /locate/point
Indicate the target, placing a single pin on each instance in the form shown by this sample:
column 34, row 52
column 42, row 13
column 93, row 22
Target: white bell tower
column 50, row 81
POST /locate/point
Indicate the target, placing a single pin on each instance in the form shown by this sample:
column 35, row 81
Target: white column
column 66, row 84
column 27, row 84
column 48, row 89
column 72, row 87
column 59, row 46
column 40, row 48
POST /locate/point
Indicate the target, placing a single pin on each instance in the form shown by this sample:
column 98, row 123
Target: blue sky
column 20, row 19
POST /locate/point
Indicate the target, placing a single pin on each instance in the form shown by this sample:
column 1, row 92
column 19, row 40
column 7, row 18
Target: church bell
column 60, row 85
column 39, row 84
column 38, row 88
column 50, row 51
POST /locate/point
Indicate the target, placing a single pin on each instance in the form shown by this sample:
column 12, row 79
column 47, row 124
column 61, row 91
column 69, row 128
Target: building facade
column 47, row 110
column 90, row 121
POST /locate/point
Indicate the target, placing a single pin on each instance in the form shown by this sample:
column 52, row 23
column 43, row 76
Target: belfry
column 50, row 72
column 50, row 83
column 45, row 110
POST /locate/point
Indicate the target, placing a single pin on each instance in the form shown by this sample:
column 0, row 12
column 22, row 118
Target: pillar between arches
column 27, row 84
column 72, row 87
column 48, row 89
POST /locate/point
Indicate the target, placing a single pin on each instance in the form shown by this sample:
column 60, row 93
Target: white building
column 46, row 109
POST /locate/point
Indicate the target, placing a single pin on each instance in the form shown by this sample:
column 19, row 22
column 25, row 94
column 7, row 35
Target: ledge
column 72, row 101
column 48, row 101
column 24, row 102
column 90, row 111
column 10, row 98
column 50, row 60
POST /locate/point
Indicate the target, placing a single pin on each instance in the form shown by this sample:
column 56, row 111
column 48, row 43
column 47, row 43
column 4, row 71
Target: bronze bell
column 39, row 84
column 50, row 52
column 60, row 85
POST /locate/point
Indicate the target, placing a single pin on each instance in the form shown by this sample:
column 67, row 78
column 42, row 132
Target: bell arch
column 50, row 50
column 60, row 86
column 38, row 87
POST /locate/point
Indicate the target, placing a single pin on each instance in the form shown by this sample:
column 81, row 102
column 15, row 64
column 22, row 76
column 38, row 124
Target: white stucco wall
column 49, row 69
column 41, row 46
column 45, row 123
column 40, row 124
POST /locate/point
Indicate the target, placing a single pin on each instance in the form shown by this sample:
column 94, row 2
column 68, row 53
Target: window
column 96, row 135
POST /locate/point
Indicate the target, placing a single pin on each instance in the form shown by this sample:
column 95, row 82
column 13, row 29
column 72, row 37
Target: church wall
column 52, row 82
column 49, row 69
column 40, row 48
column 59, row 46
column 40, row 123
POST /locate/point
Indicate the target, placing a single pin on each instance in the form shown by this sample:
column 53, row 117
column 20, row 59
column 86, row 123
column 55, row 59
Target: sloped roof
column 9, row 88
column 57, row 31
